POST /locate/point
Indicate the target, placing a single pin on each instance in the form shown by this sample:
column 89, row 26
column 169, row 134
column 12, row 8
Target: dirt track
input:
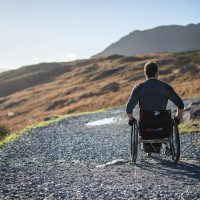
column 62, row 161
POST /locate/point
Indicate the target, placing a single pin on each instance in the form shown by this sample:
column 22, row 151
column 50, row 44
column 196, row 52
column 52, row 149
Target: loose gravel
column 66, row 160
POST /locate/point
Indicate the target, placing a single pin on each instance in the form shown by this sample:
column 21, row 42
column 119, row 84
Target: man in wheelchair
column 153, row 95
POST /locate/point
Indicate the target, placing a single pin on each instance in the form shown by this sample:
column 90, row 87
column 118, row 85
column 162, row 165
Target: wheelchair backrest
column 155, row 123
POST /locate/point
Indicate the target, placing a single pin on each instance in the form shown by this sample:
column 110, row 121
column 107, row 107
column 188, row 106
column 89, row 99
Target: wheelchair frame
column 173, row 140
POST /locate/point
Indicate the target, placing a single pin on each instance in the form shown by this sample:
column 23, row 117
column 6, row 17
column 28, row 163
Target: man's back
column 153, row 95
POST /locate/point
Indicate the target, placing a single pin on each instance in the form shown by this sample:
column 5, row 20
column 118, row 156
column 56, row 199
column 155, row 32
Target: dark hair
column 151, row 68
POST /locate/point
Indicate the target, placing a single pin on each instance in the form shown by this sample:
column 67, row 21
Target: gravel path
column 62, row 161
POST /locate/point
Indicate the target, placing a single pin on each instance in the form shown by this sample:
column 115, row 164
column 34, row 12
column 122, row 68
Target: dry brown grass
column 80, row 90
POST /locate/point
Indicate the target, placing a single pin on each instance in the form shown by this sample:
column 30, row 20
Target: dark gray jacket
column 153, row 95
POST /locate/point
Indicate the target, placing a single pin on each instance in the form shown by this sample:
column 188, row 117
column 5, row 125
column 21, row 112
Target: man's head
column 151, row 70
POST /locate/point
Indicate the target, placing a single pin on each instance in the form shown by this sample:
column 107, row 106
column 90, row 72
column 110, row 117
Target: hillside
column 171, row 38
column 33, row 93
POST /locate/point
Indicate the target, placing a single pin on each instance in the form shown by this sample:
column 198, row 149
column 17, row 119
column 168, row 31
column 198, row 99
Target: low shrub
column 4, row 131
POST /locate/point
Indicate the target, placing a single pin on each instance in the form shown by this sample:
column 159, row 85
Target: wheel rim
column 134, row 143
column 175, row 143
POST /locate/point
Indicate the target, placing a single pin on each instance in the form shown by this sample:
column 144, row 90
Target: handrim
column 134, row 143
column 175, row 143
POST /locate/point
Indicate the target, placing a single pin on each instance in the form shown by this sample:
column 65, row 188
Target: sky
column 35, row 31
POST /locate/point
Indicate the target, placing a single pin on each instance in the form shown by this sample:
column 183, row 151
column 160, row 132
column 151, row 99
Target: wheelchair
column 155, row 128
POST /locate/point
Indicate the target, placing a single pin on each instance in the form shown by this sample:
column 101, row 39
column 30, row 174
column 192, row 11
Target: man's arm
column 177, row 101
column 132, row 102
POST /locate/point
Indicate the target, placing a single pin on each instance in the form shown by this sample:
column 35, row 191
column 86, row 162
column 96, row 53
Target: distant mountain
column 29, row 76
column 171, row 38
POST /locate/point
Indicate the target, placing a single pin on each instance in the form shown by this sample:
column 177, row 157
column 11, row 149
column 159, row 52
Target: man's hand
column 179, row 113
column 131, row 121
column 177, row 120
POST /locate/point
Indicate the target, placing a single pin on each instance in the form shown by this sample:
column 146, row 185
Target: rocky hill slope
column 33, row 93
column 172, row 38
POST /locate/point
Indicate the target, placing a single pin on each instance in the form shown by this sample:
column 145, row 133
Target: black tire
column 175, row 143
column 134, row 142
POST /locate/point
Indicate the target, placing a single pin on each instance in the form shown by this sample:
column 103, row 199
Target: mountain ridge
column 172, row 38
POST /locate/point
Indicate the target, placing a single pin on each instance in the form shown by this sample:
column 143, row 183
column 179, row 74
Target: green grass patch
column 54, row 119
column 192, row 127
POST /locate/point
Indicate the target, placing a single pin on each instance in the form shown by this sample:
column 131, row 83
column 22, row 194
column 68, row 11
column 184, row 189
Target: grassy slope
column 82, row 88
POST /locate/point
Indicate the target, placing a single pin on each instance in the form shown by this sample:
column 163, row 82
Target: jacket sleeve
column 175, row 98
column 133, row 100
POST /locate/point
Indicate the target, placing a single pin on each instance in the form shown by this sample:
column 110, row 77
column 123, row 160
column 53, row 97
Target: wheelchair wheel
column 175, row 143
column 134, row 142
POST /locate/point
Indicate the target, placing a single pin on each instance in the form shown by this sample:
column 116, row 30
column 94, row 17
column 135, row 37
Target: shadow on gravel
column 165, row 167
